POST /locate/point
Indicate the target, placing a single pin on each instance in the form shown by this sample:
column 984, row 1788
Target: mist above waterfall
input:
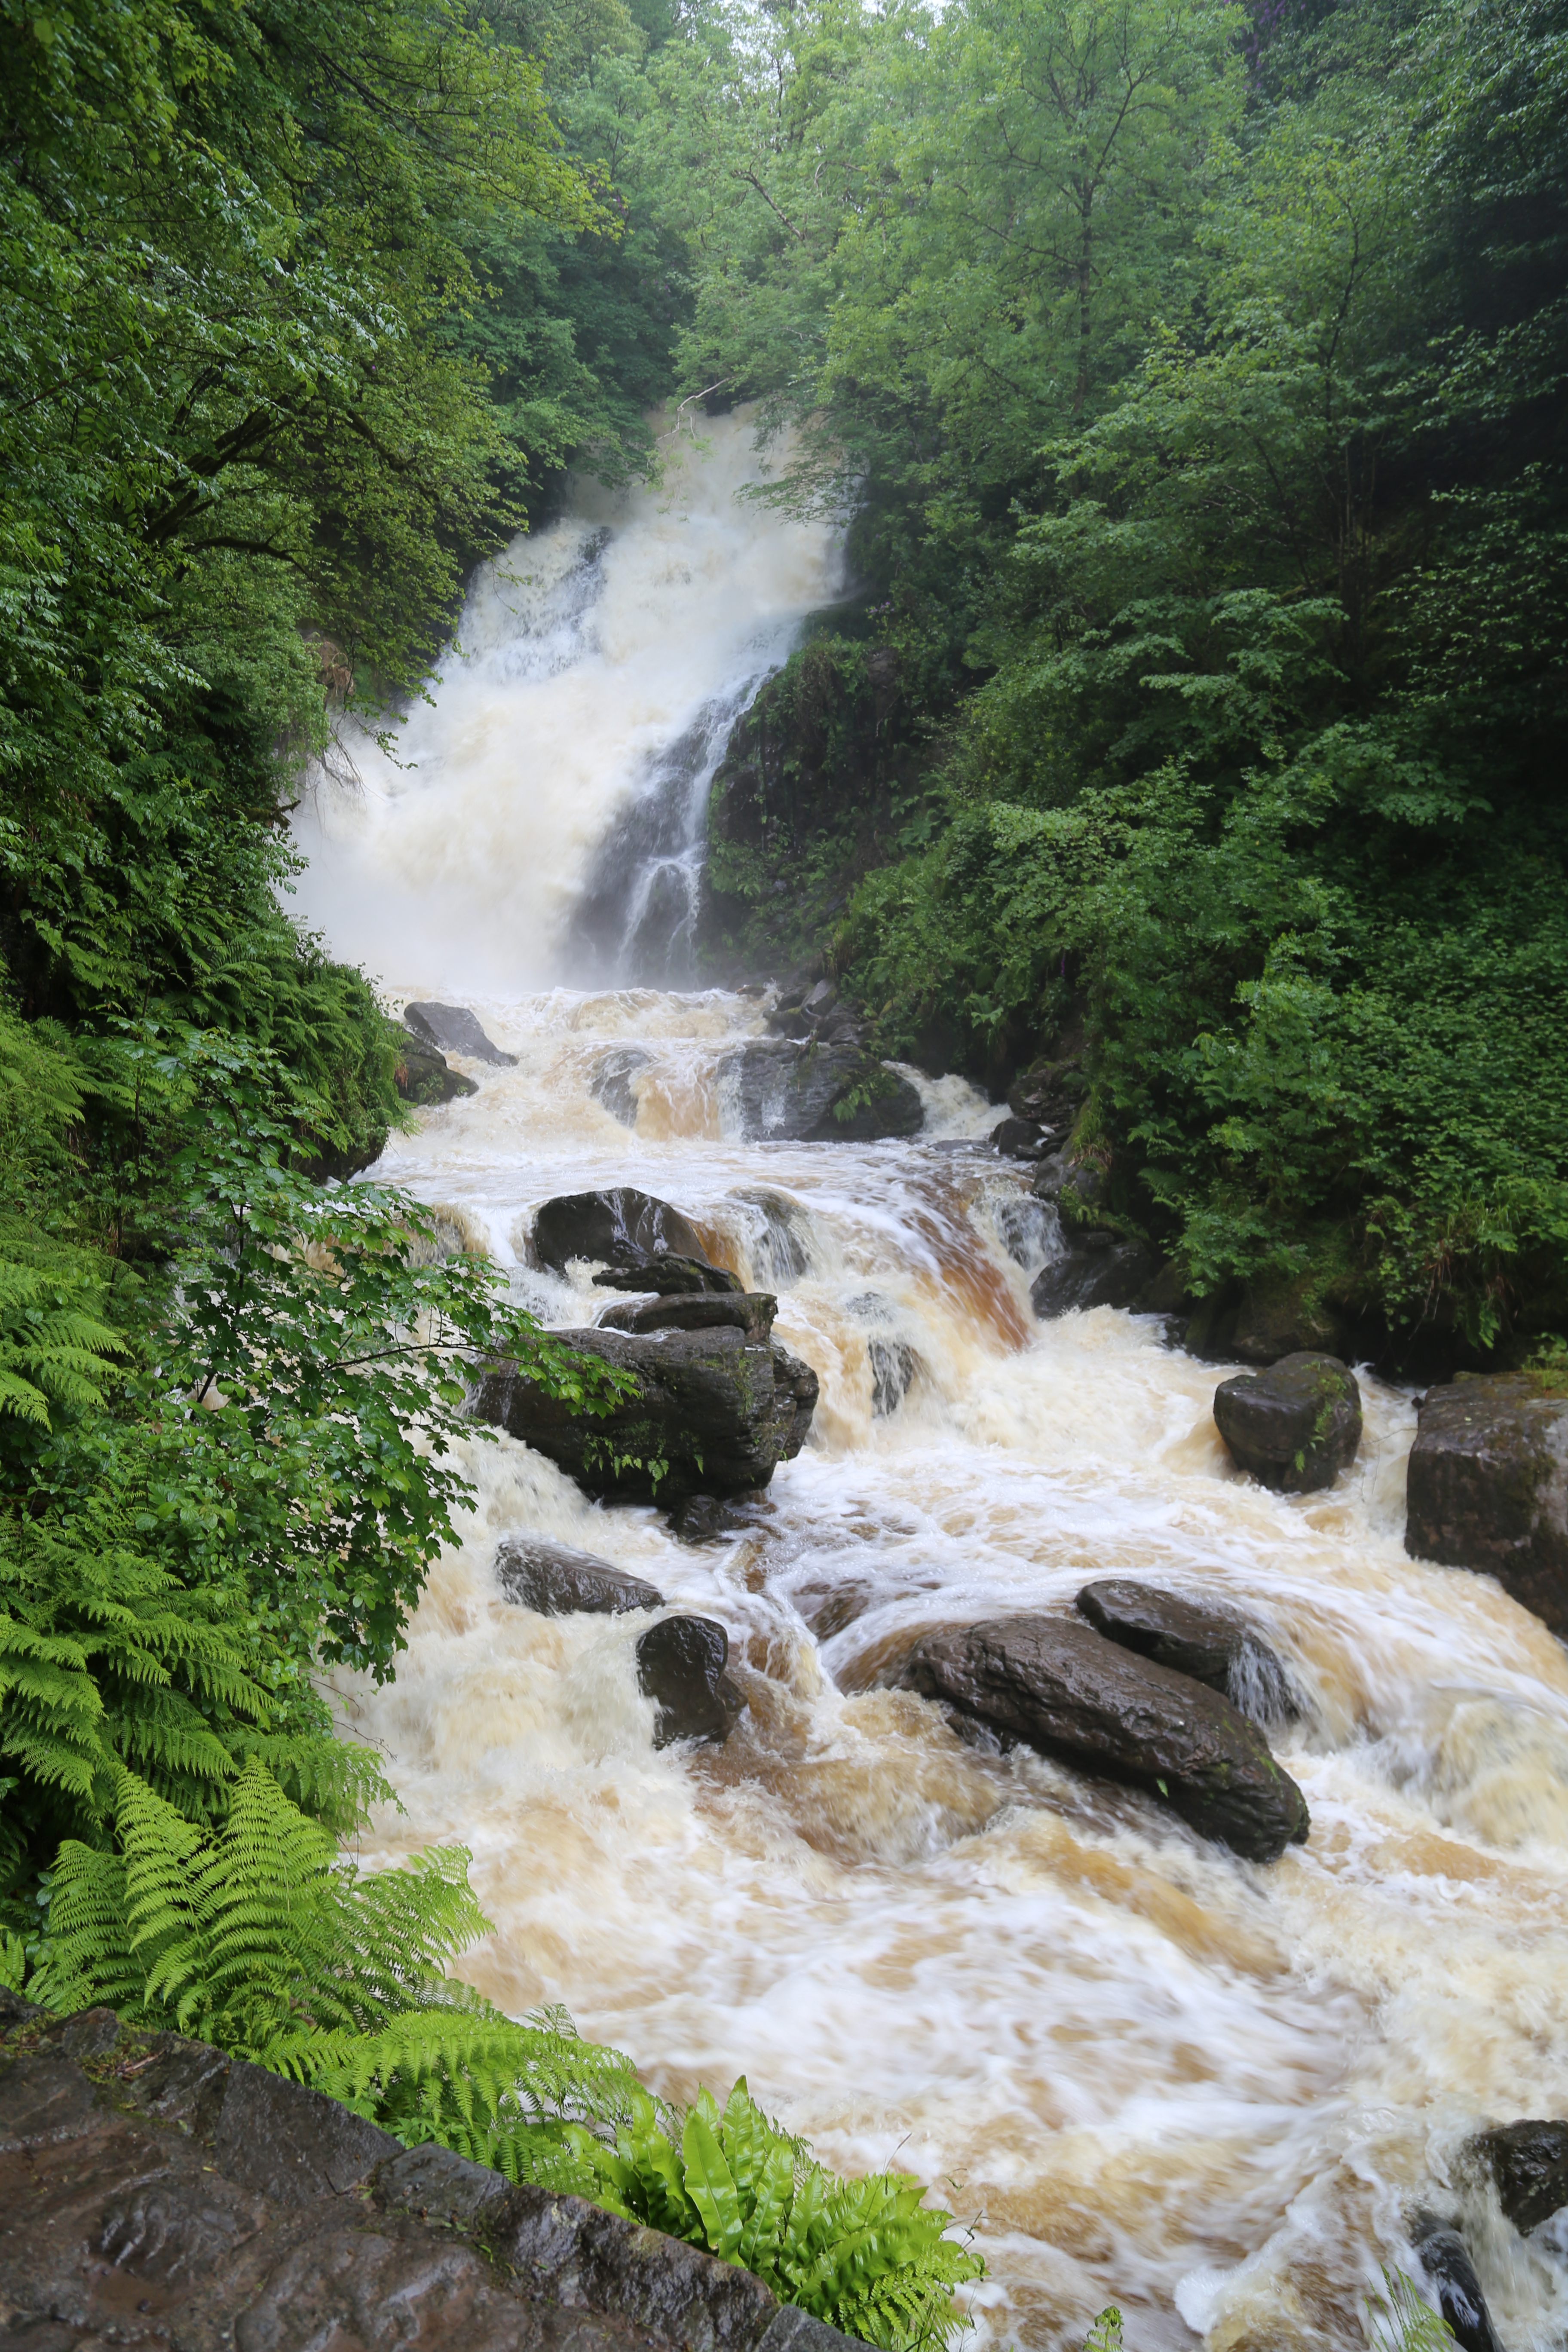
column 539, row 818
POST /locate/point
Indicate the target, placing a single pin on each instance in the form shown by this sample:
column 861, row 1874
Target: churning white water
column 1210, row 2091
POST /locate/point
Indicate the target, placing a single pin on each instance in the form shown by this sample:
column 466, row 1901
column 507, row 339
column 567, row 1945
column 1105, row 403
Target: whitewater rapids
column 1145, row 2072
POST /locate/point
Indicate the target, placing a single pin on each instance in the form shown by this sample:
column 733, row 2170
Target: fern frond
column 337, row 1781
column 1105, row 2335
column 1401, row 2321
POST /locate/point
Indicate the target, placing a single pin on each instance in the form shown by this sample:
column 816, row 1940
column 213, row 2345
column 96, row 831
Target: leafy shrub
column 869, row 2256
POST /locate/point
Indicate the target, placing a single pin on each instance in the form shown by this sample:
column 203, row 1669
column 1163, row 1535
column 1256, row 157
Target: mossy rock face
column 1296, row 1426
column 1285, row 1318
column 1487, row 1486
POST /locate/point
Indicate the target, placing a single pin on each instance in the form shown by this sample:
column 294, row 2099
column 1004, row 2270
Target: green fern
column 54, row 1350
column 1105, row 2335
column 868, row 2256
column 1400, row 2321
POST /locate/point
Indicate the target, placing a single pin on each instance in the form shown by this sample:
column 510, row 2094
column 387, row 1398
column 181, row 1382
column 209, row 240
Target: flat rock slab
column 453, row 1029
column 191, row 2205
column 1296, row 1426
column 719, row 1409
column 554, row 1580
column 1487, row 1488
column 793, row 1093
column 1192, row 1636
column 751, row 1311
column 1529, row 2162
column 681, row 1663
column 1056, row 1684
column 619, row 1226
column 671, row 1276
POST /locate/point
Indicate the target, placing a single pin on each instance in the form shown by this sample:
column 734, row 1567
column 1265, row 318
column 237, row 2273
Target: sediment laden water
column 1149, row 2073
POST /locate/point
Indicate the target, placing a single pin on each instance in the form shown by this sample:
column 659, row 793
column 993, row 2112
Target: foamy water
column 1148, row 2073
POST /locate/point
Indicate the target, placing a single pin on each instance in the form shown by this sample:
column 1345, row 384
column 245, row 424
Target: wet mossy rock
column 423, row 1078
column 453, row 1029
column 158, row 2193
column 1061, row 1687
column 1527, row 2163
column 1487, row 1486
column 787, row 1091
column 1452, row 2277
column 714, row 1413
column 1296, row 1426
column 1195, row 1636
column 619, row 1226
column 554, row 1580
column 1097, row 1268
column 681, row 1665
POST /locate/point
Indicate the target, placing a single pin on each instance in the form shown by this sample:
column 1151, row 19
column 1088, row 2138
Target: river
column 1148, row 2073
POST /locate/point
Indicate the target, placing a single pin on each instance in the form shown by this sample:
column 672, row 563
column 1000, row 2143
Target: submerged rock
column 682, row 1663
column 1097, row 1271
column 792, row 1093
column 422, row 1076
column 554, row 1580
column 719, row 1409
column 453, row 1029
column 1295, row 1427
column 619, row 1225
column 1487, row 1486
column 1065, row 1690
column 669, row 1274
column 1452, row 2276
column 1529, row 2162
column 611, row 1081
column 1192, row 1636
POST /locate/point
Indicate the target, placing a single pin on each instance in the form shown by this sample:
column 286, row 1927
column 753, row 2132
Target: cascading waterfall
column 1151, row 2074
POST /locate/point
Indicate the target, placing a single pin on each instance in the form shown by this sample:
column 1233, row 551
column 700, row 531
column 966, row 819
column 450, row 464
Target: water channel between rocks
column 1207, row 2090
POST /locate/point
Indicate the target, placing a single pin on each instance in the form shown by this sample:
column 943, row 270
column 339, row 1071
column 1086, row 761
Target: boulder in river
column 611, row 1081
column 669, row 1274
column 1296, row 1426
column 423, row 1078
column 620, row 1226
column 1529, row 2162
column 681, row 1663
column 1098, row 1270
column 1192, row 1636
column 554, row 1580
column 1487, row 1486
column 453, row 1029
column 1065, row 1690
column 751, row 1311
column 1452, row 2276
column 719, row 1409
column 792, row 1093
column 1021, row 1139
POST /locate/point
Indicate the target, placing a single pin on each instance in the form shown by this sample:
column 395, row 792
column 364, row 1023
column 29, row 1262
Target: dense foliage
column 1194, row 382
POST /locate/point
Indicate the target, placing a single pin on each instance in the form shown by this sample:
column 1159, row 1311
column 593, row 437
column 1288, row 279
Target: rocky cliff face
column 157, row 2194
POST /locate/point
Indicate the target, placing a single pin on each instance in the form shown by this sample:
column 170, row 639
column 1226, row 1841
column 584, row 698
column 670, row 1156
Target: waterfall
column 1146, row 2072
column 541, row 816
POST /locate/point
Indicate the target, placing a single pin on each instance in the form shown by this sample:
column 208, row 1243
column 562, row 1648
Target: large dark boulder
column 721, row 1408
column 1294, row 1427
column 669, row 1274
column 1098, row 1270
column 1202, row 1638
column 1487, row 1486
column 681, row 1663
column 1065, row 1690
column 793, row 1093
column 620, row 1226
column 554, row 1580
column 175, row 2197
column 1529, row 2162
column 422, row 1076
column 453, row 1029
